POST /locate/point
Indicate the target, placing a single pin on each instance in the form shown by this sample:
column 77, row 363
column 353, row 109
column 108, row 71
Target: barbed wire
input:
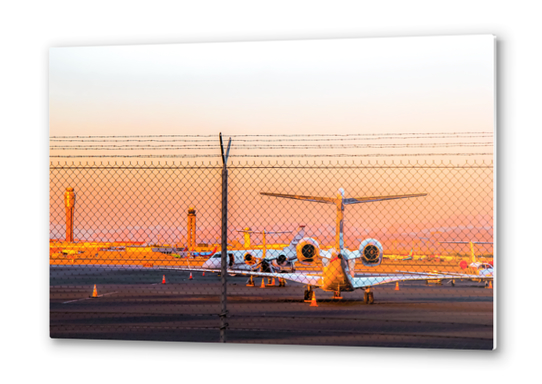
column 272, row 146
column 286, row 135
column 269, row 138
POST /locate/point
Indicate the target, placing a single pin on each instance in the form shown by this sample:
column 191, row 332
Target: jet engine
column 282, row 263
column 249, row 259
column 307, row 250
column 371, row 252
column 282, row 260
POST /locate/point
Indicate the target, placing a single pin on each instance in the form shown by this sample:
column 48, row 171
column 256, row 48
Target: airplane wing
column 371, row 281
column 369, row 199
column 303, row 278
column 327, row 200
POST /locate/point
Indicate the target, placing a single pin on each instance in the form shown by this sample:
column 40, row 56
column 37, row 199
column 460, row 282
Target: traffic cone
column 397, row 286
column 263, row 283
column 273, row 282
column 94, row 292
column 190, row 278
column 313, row 300
column 203, row 274
column 490, row 285
column 163, row 279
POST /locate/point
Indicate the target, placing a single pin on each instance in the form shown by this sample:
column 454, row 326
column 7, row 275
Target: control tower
column 191, row 229
column 69, row 202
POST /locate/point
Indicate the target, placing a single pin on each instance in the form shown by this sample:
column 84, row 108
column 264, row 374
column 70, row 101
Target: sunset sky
column 346, row 86
column 421, row 84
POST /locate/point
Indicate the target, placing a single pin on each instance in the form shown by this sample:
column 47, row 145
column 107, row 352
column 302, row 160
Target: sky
column 414, row 84
column 340, row 86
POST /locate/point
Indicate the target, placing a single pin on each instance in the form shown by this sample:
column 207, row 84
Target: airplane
column 187, row 253
column 267, row 260
column 483, row 270
column 409, row 256
column 182, row 252
column 337, row 274
column 274, row 261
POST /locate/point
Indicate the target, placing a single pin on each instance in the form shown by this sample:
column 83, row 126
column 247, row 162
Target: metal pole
column 224, row 264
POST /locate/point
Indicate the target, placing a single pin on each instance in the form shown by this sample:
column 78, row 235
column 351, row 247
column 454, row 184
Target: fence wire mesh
column 319, row 252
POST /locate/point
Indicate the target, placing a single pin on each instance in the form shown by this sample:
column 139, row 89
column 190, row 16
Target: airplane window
column 216, row 256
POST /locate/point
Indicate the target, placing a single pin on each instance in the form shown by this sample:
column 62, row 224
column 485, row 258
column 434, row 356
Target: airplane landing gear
column 368, row 297
column 308, row 294
column 337, row 295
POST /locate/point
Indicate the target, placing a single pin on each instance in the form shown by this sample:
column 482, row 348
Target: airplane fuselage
column 335, row 275
column 236, row 260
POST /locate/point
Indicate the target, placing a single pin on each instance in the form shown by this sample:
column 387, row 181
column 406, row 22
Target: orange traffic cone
column 490, row 285
column 263, row 283
column 94, row 292
column 190, row 278
column 203, row 274
column 163, row 279
column 313, row 300
column 273, row 282
column 397, row 286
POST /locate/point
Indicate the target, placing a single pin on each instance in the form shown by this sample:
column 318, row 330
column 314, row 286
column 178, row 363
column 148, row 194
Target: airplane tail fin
column 471, row 244
column 297, row 238
column 473, row 256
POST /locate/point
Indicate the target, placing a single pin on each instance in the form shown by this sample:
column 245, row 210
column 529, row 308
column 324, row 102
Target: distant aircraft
column 182, row 252
column 409, row 257
column 337, row 274
column 67, row 252
column 267, row 260
column 483, row 270
column 283, row 260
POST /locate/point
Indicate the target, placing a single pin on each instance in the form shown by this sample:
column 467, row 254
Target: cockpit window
column 216, row 256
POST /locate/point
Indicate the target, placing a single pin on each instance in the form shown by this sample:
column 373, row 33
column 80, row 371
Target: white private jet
column 338, row 264
column 483, row 270
column 267, row 260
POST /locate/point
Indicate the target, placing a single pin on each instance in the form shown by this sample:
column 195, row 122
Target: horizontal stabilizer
column 370, row 199
column 346, row 201
column 266, row 232
column 327, row 200
column 466, row 242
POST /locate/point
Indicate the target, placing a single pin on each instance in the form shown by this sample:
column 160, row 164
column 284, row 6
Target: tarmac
column 133, row 304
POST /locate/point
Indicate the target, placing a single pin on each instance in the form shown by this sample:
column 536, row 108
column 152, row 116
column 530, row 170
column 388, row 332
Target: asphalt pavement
column 133, row 304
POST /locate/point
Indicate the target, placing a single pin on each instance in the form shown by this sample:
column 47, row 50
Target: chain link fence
column 136, row 252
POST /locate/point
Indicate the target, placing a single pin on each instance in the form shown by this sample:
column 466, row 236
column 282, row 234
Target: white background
column 28, row 29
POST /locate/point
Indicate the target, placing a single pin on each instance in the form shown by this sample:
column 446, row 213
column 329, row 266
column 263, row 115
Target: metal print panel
column 319, row 192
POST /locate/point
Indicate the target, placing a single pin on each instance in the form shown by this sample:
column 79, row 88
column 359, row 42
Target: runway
column 135, row 305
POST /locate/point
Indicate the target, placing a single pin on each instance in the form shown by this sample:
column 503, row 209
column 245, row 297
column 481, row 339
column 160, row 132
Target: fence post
column 224, row 245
